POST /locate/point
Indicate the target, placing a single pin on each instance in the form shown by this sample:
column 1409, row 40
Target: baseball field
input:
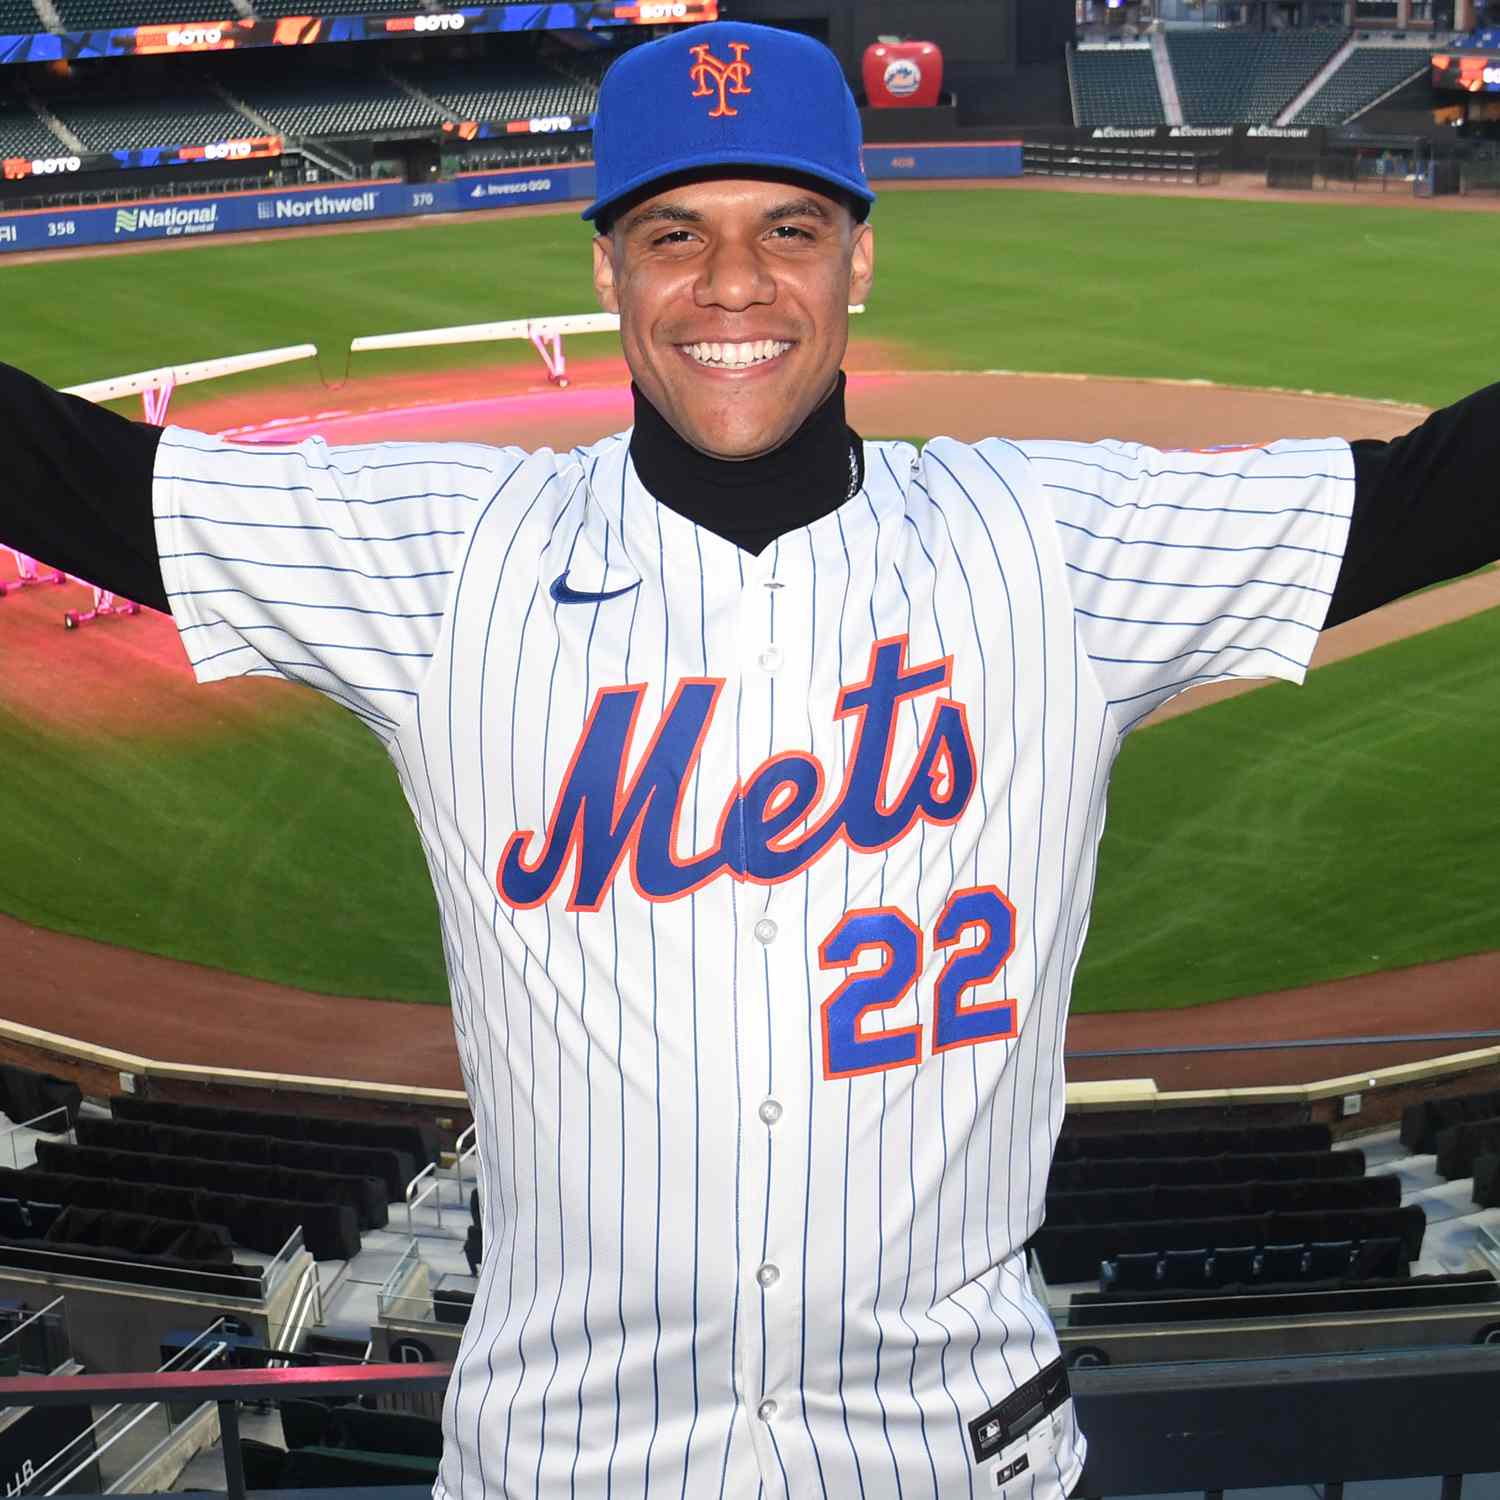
column 1282, row 838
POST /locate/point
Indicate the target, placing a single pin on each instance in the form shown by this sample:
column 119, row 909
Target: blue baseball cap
column 726, row 94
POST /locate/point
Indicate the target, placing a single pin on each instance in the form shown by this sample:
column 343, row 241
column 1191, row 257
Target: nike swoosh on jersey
column 565, row 595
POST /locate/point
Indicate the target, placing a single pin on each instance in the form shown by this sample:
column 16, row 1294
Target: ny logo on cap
column 729, row 77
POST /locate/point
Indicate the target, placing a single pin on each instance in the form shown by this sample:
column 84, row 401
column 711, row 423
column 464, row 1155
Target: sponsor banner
column 1238, row 145
column 981, row 159
column 293, row 31
column 288, row 208
column 15, row 168
column 486, row 130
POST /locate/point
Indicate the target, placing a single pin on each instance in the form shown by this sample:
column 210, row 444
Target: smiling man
column 760, row 772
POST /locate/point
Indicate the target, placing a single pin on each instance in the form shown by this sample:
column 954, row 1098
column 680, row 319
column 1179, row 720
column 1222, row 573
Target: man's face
column 733, row 298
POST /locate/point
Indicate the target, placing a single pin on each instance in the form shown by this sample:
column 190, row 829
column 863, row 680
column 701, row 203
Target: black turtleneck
column 752, row 501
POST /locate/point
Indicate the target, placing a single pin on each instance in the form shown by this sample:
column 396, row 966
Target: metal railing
column 1204, row 1427
column 432, row 1176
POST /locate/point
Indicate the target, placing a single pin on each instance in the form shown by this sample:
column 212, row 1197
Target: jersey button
column 765, row 931
column 769, row 1111
column 771, row 659
column 766, row 1410
column 768, row 1275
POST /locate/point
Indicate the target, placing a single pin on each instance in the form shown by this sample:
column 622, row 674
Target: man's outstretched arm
column 1426, row 506
column 75, row 488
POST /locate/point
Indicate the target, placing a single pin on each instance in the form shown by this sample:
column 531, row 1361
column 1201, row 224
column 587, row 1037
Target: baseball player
column 760, row 772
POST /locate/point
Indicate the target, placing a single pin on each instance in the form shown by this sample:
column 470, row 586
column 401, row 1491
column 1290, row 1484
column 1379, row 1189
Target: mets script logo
column 769, row 829
column 728, row 77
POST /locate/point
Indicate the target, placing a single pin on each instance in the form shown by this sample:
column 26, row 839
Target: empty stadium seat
column 1421, row 1122
column 422, row 1142
column 1115, row 86
column 1077, row 1145
column 1130, row 1272
column 17, row 17
column 1232, row 1264
column 1364, row 76
column 1128, row 1172
column 490, row 92
column 1279, row 1300
column 326, row 101
column 1245, row 77
column 186, row 119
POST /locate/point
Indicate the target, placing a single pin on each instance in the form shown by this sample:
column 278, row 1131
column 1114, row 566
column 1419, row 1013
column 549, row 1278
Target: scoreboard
column 1466, row 72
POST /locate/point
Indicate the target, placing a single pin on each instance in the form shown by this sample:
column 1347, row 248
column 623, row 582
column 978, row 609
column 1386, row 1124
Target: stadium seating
column 366, row 1196
column 1074, row 1252
column 1116, row 86
column 307, row 1424
column 325, row 101
column 1420, row 1123
column 1208, row 1269
column 394, row 1168
column 1082, row 1146
column 1460, row 1146
column 212, row 1278
column 1184, row 1171
column 421, row 1142
column 187, row 119
column 1218, row 1200
column 1366, row 74
column 1487, row 1180
column 25, row 1095
column 18, row 17
column 101, row 15
column 1244, row 77
column 1278, row 1300
column 487, row 92
column 329, row 1230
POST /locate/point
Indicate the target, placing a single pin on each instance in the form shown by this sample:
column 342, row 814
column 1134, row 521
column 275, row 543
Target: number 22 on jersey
column 957, row 1019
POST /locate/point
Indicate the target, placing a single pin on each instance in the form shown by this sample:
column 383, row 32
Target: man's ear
column 604, row 273
column 861, row 264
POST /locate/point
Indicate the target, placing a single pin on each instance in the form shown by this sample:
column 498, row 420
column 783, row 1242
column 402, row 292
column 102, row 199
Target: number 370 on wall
column 957, row 1020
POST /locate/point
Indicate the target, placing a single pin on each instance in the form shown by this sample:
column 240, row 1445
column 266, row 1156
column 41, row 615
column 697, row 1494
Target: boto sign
column 903, row 75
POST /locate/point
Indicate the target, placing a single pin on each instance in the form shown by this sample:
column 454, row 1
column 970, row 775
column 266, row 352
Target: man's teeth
column 736, row 356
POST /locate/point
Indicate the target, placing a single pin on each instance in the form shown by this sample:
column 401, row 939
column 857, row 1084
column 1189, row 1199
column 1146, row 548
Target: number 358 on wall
column 983, row 914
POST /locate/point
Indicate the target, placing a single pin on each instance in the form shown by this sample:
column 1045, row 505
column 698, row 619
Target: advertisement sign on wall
column 289, row 208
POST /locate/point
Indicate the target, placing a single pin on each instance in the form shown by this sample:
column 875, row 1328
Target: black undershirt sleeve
column 76, row 494
column 75, row 488
column 1426, row 506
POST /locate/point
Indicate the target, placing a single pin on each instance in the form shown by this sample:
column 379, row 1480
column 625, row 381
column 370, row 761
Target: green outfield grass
column 1277, row 839
column 1326, row 296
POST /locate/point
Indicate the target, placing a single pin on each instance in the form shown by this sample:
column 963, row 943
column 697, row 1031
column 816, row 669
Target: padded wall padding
column 1239, row 1142
column 1459, row 1146
column 1188, row 1171
column 1121, row 1205
column 1074, row 1252
column 421, row 1142
column 1421, row 1123
column 365, row 1195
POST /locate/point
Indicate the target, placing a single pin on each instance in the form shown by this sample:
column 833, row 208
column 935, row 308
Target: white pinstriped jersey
column 762, row 884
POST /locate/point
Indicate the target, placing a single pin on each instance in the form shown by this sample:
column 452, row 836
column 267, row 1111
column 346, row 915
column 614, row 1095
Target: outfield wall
column 350, row 202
